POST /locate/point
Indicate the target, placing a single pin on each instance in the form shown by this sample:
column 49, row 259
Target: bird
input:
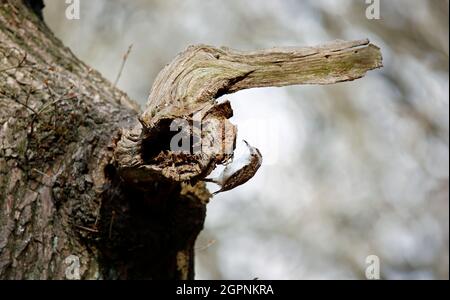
column 239, row 170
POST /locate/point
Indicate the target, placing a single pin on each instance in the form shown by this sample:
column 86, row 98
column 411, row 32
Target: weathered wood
column 202, row 73
column 193, row 81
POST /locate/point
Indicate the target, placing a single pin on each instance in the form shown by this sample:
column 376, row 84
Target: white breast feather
column 242, row 157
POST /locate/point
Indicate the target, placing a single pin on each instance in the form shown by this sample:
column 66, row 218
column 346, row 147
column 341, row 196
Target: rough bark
column 83, row 182
column 61, row 203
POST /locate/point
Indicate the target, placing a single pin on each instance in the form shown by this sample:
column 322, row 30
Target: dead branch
column 193, row 81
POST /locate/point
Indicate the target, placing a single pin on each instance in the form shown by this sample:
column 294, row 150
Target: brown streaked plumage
column 239, row 170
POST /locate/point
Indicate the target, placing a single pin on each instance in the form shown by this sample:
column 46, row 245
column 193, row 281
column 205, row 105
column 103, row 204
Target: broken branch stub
column 188, row 87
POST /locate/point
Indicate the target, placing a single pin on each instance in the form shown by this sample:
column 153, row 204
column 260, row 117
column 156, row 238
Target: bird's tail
column 213, row 180
column 216, row 192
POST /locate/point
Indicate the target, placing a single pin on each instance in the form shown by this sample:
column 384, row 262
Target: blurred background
column 350, row 170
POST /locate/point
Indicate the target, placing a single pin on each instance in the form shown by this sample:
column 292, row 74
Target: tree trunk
column 89, row 187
